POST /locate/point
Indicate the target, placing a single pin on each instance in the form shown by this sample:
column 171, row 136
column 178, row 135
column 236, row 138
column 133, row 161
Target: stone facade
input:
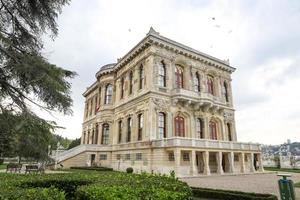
column 163, row 107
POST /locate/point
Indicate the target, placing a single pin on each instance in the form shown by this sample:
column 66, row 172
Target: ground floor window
column 138, row 156
column 103, row 157
column 186, row 156
column 171, row 156
column 127, row 156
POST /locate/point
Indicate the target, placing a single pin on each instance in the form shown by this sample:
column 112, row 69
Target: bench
column 34, row 169
column 13, row 167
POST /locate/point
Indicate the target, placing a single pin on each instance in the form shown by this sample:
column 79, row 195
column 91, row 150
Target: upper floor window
column 105, row 134
column 108, row 94
column 199, row 128
column 140, row 126
column 122, row 88
column 162, row 74
column 161, row 125
column 129, row 125
column 210, row 85
column 213, row 130
column 86, row 108
column 141, row 77
column 93, row 136
column 226, row 92
column 229, row 132
column 96, row 105
column 197, row 82
column 97, row 134
column 99, row 98
column 91, row 106
column 120, row 131
column 130, row 82
column 179, row 126
column 179, row 76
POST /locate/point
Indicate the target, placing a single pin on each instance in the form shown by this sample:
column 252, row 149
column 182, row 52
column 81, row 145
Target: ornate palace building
column 163, row 107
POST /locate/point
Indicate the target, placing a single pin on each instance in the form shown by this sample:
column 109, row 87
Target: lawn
column 282, row 169
column 3, row 166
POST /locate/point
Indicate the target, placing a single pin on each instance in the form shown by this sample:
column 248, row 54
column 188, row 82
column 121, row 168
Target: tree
column 74, row 143
column 26, row 76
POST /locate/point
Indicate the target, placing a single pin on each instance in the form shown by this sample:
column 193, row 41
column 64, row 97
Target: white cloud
column 259, row 37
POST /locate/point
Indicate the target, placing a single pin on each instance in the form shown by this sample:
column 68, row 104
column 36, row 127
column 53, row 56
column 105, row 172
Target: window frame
column 197, row 86
column 162, row 125
column 140, row 126
column 179, row 126
column 179, row 82
column 120, row 131
column 199, row 128
column 130, row 82
column 105, row 134
column 213, row 131
column 141, row 77
column 162, row 74
column 108, row 93
column 129, row 127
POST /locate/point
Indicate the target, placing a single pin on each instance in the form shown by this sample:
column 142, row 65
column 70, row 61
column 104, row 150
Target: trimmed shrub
column 129, row 170
column 32, row 194
column 1, row 161
column 230, row 195
column 95, row 192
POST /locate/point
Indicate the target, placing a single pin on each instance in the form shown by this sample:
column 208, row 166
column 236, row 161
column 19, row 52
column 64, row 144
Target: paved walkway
column 258, row 183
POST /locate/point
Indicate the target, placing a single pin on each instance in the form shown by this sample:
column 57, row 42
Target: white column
column 206, row 163
column 177, row 156
column 252, row 169
column 242, row 162
column 231, row 162
column 193, row 167
column 219, row 162
column 260, row 161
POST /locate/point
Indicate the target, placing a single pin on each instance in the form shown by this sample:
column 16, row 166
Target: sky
column 260, row 38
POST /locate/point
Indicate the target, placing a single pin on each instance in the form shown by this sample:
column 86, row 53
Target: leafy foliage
column 27, row 78
column 74, row 143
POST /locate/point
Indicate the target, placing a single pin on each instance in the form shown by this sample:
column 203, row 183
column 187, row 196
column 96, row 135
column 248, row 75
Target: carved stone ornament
column 161, row 104
column 228, row 116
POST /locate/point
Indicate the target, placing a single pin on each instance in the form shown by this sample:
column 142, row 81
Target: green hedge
column 85, row 185
column 297, row 184
column 230, row 195
column 93, row 168
column 32, row 194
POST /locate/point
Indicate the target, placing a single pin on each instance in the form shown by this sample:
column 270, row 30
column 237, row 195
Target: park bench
column 13, row 167
column 33, row 168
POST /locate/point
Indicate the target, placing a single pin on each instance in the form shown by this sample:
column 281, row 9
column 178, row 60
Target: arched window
column 141, row 77
column 197, row 82
column 130, row 82
column 140, row 126
column 179, row 126
column 162, row 74
column 108, row 94
column 226, row 92
column 229, row 132
column 210, row 85
column 120, row 131
column 213, row 130
column 99, row 99
column 179, row 76
column 96, row 136
column 161, row 125
column 199, row 128
column 105, row 134
column 129, row 125
column 122, row 88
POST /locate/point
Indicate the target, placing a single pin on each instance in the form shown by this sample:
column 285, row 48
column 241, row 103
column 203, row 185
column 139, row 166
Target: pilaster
column 219, row 156
column 242, row 162
column 231, row 162
column 193, row 167
column 177, row 156
column 206, row 163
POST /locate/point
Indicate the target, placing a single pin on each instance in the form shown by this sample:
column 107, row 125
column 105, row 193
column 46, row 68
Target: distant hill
column 294, row 148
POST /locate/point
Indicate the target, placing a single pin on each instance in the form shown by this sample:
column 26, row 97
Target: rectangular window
column 118, row 156
column 127, row 156
column 120, row 132
column 138, row 156
column 171, row 156
column 103, row 157
column 186, row 156
column 161, row 125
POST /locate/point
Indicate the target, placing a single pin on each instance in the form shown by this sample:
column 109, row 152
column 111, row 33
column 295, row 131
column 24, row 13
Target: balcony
column 205, row 144
column 197, row 98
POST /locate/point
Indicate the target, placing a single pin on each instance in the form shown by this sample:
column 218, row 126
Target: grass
column 282, row 169
column 3, row 166
column 297, row 184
